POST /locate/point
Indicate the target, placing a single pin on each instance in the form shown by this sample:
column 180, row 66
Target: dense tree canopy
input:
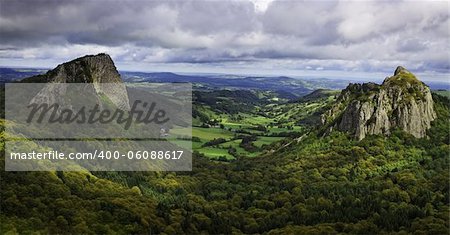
column 319, row 185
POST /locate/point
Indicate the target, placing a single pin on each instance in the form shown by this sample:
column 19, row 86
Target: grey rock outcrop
column 98, row 70
column 401, row 101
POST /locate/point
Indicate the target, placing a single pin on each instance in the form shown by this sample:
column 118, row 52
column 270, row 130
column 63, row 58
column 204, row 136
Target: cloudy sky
column 235, row 36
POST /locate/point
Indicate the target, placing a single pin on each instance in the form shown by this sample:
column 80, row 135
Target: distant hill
column 318, row 94
column 291, row 86
column 287, row 87
column 13, row 74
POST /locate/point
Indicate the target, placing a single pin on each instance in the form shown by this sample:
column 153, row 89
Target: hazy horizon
column 377, row 77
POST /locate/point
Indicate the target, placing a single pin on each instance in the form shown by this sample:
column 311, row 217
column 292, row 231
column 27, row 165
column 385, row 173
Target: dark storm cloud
column 207, row 17
column 31, row 23
column 110, row 22
column 365, row 34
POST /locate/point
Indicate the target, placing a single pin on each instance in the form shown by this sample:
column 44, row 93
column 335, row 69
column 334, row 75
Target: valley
column 263, row 162
column 228, row 109
column 231, row 127
column 236, row 116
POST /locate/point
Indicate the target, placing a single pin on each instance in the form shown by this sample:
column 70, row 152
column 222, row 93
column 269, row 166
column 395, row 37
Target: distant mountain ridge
column 401, row 101
column 291, row 87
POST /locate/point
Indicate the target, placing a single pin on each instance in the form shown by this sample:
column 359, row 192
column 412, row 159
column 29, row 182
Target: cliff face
column 87, row 69
column 96, row 69
column 402, row 101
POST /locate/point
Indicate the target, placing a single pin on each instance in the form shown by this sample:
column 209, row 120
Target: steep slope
column 87, row 69
column 402, row 101
column 97, row 69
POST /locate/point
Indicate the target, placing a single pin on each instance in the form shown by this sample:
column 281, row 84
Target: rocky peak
column 97, row 69
column 400, row 69
column 401, row 101
column 402, row 77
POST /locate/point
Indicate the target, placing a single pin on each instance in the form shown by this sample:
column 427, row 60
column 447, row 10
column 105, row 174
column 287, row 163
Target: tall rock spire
column 402, row 101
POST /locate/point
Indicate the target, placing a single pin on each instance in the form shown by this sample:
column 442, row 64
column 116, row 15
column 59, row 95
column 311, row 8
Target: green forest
column 314, row 185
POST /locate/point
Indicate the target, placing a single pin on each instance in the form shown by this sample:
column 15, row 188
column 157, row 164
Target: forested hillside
column 331, row 184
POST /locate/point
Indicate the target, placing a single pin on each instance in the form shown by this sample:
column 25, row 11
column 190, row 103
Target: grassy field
column 215, row 152
column 211, row 133
column 221, row 150
column 263, row 140
column 268, row 123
